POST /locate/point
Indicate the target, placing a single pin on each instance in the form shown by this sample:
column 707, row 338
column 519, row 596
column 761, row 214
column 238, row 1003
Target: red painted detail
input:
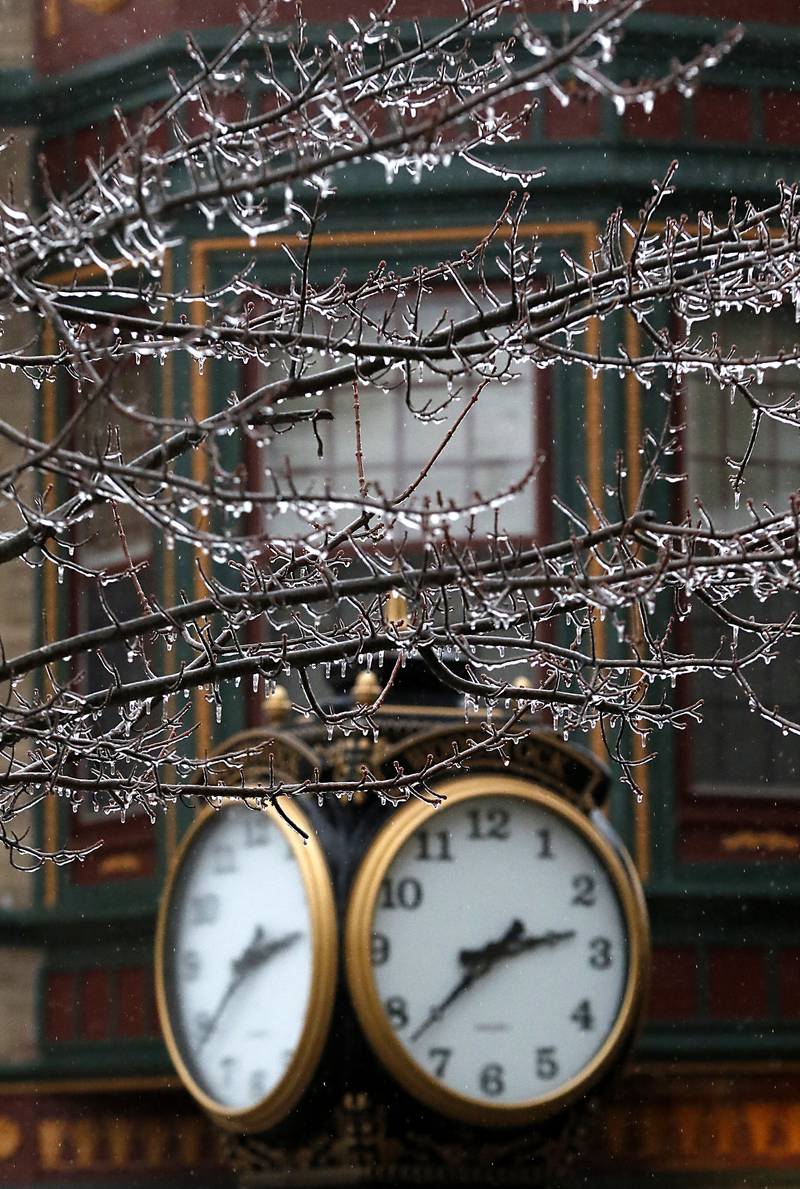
column 128, row 849
column 56, row 158
column 673, row 985
column 95, row 1005
column 132, row 997
column 737, row 983
column 662, row 123
column 730, row 829
column 85, row 36
column 88, row 143
column 778, row 12
column 59, row 1013
column 789, row 984
column 579, row 120
column 722, row 115
column 781, row 117
column 151, row 1010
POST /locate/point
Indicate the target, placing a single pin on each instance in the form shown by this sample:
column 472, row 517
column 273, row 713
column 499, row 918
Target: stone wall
column 16, row 25
column 18, row 1038
column 18, row 599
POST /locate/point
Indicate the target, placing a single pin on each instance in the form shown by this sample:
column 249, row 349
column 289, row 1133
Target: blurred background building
column 87, row 1095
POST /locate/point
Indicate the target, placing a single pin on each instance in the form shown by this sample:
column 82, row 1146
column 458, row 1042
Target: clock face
column 242, row 992
column 503, row 950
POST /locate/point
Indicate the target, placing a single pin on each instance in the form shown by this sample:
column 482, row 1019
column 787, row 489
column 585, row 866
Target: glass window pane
column 491, row 449
column 735, row 752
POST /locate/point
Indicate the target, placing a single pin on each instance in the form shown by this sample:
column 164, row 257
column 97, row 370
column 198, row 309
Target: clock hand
column 493, row 949
column 260, row 950
column 438, row 1011
column 255, row 954
column 510, row 946
column 480, row 962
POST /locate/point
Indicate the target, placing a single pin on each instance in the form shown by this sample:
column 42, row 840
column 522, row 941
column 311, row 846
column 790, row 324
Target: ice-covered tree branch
column 291, row 575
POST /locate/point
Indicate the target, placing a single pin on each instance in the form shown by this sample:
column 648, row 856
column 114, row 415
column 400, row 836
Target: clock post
column 463, row 981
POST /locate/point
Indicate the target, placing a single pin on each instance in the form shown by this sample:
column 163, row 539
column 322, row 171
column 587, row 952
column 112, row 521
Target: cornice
column 137, row 77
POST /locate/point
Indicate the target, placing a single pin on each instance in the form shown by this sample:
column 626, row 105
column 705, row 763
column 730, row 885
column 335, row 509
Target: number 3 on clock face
column 496, row 950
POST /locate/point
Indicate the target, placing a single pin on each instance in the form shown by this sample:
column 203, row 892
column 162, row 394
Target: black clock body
column 356, row 1122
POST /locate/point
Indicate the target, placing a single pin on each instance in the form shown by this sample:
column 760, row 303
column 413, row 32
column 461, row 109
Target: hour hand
column 261, row 949
column 493, row 950
column 513, row 943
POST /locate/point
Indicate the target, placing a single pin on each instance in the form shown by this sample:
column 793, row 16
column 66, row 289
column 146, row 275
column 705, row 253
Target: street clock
column 496, row 950
column 494, row 958
column 246, row 963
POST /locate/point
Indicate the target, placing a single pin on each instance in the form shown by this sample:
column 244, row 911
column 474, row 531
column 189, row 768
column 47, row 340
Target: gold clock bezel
column 273, row 1107
column 366, row 1000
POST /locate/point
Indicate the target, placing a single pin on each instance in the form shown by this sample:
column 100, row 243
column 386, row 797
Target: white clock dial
column 500, row 937
column 238, row 946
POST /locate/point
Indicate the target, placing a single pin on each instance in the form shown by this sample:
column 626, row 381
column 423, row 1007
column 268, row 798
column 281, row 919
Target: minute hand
column 480, row 962
column 437, row 1012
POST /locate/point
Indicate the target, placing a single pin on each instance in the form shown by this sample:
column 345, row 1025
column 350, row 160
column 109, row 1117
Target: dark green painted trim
column 113, row 1058
column 137, row 77
column 721, row 1041
column 17, row 88
column 69, row 925
column 767, row 51
column 766, row 913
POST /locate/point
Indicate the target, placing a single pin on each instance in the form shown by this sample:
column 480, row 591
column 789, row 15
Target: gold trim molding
column 53, row 12
column 754, row 840
column 316, row 878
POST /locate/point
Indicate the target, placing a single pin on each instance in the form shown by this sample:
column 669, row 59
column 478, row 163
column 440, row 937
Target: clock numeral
column 584, row 888
column 600, row 953
column 224, row 860
column 228, row 1065
column 190, row 965
column 492, row 1079
column 380, row 949
column 489, row 823
column 583, row 1017
column 433, row 846
column 257, row 1084
column 546, row 1064
column 406, row 893
column 256, row 830
column 397, row 1011
column 545, row 844
column 440, row 1057
column 204, row 910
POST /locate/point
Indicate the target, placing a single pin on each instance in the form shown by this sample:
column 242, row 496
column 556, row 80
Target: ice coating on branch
column 307, row 557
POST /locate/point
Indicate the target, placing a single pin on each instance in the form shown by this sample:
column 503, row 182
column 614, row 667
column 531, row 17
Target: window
column 128, row 849
column 491, row 451
column 734, row 752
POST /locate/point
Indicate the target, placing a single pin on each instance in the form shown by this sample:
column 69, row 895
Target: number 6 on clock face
column 496, row 950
